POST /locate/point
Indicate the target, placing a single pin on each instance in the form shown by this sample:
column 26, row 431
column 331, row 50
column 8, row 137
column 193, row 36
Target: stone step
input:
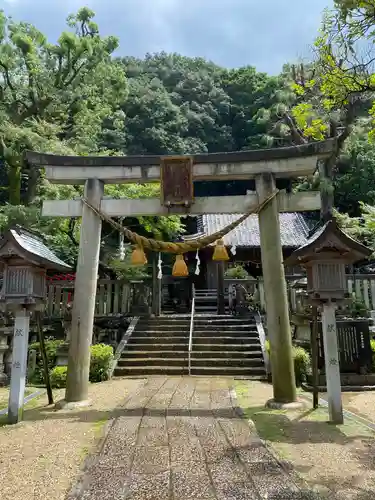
column 236, row 327
column 196, row 333
column 241, row 371
column 155, row 353
column 245, row 354
column 229, row 330
column 251, row 336
column 183, row 361
column 154, row 361
column 163, row 324
column 162, row 353
column 143, row 371
column 223, row 339
column 206, row 307
column 207, row 296
column 231, row 369
column 198, row 325
column 198, row 320
column 246, row 346
column 161, row 333
column 228, row 362
column 162, row 339
column 230, row 320
column 160, row 346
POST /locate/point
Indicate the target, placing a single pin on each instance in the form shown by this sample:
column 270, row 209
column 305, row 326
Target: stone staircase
column 205, row 301
column 222, row 345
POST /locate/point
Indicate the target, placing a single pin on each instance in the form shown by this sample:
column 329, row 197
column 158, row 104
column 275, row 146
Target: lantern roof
column 329, row 242
column 27, row 245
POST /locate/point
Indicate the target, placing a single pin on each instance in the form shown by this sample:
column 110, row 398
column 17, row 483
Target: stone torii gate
column 265, row 166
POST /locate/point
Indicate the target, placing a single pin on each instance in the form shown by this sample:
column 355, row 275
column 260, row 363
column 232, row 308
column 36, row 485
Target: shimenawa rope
column 180, row 247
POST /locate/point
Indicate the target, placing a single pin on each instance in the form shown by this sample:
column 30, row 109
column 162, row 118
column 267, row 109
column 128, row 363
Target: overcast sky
column 232, row 33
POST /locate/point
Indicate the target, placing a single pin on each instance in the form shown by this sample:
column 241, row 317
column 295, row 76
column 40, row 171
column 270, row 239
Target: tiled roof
column 293, row 228
column 36, row 247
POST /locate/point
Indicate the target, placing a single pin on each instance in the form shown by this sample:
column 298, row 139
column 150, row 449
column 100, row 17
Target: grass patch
column 297, row 426
column 98, row 427
column 4, row 395
column 327, row 458
column 33, row 403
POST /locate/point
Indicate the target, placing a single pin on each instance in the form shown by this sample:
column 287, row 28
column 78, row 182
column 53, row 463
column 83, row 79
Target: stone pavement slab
column 182, row 438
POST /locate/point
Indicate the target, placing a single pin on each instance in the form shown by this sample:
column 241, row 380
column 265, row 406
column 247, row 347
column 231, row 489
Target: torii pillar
column 278, row 324
column 84, row 296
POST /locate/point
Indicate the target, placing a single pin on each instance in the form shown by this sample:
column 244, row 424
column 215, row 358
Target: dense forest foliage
column 75, row 97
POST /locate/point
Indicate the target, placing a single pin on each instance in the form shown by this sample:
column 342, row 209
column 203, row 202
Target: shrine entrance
column 177, row 176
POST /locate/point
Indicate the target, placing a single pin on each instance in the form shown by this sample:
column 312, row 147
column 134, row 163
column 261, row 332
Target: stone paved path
column 181, row 438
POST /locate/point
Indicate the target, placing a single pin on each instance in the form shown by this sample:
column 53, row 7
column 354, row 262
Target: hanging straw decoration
column 138, row 257
column 180, row 268
column 121, row 244
column 220, row 252
column 160, row 270
column 233, row 250
column 197, row 268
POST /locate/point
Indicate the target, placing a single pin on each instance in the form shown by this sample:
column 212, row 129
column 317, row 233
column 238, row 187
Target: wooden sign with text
column 176, row 177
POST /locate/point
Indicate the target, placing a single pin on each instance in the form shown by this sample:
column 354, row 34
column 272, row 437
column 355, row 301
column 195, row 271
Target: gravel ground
column 362, row 403
column 41, row 457
column 336, row 461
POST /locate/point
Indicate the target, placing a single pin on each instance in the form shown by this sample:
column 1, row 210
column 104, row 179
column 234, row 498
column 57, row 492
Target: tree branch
column 70, row 231
column 296, row 132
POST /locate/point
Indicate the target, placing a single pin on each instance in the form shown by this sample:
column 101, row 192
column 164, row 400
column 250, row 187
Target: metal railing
column 191, row 327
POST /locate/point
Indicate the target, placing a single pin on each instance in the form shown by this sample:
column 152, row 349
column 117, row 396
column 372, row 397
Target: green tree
column 355, row 174
column 54, row 97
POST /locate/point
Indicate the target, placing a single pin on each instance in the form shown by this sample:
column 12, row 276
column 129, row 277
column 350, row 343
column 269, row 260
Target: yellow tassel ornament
column 220, row 252
column 138, row 257
column 180, row 268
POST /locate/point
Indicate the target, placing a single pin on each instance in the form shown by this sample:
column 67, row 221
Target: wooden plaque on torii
column 176, row 179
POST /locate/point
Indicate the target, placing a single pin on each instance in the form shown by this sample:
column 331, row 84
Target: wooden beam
column 296, row 202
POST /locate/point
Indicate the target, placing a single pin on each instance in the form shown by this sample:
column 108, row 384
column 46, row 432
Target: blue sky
column 232, row 33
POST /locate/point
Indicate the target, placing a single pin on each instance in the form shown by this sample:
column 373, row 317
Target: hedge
column 100, row 364
column 51, row 349
column 302, row 362
column 58, row 377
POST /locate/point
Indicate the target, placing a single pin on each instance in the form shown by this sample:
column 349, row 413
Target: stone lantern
column 325, row 256
column 24, row 260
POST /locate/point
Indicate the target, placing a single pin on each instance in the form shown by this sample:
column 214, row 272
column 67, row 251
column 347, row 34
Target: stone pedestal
column 62, row 355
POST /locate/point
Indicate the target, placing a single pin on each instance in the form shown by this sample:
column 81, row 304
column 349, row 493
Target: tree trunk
column 14, row 178
column 326, row 187
column 32, row 185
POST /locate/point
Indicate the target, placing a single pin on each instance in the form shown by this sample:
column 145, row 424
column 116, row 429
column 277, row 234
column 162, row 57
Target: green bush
column 51, row 349
column 373, row 354
column 358, row 309
column 58, row 377
column 237, row 272
column 302, row 362
column 101, row 361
